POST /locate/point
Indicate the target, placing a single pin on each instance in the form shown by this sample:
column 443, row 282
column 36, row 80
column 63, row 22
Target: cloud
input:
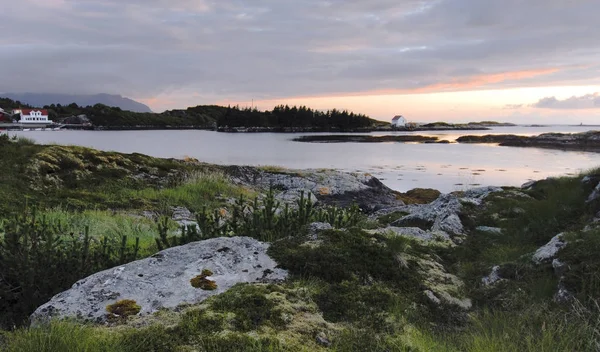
column 588, row 101
column 267, row 49
column 513, row 106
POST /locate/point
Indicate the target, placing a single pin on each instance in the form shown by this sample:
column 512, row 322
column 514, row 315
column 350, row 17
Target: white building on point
column 33, row 116
column 399, row 121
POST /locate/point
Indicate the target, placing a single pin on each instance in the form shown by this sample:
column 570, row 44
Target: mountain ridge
column 114, row 100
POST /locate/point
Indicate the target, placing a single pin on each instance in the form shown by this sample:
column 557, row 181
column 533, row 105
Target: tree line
column 207, row 116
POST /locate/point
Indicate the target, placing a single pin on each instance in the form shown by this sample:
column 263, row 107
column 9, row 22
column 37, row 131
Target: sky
column 523, row 61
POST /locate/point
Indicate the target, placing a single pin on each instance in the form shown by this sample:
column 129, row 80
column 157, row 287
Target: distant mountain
column 41, row 99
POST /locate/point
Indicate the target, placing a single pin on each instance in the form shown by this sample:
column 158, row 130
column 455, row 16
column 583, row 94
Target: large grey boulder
column 547, row 252
column 163, row 280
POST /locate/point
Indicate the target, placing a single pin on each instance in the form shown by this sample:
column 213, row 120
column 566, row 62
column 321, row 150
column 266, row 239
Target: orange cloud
column 465, row 84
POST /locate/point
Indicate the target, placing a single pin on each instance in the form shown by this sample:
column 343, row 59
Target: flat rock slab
column 163, row 280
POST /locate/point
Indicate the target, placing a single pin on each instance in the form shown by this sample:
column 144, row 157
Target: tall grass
column 197, row 189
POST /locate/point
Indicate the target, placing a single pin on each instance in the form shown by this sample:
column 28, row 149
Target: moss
column 419, row 196
column 250, row 305
column 124, row 308
column 202, row 282
column 344, row 256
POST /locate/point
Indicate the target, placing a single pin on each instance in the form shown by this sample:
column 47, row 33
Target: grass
column 197, row 189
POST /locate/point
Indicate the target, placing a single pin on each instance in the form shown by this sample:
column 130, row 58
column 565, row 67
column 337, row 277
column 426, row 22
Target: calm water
column 402, row 166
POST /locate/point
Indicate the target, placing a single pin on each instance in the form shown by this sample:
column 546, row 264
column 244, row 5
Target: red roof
column 28, row 111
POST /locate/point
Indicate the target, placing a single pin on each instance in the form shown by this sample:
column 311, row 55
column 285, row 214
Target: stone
column 163, row 280
column 549, row 250
column 562, row 295
column 492, row 230
column 322, row 340
column 329, row 186
column 432, row 298
column 413, row 232
column 528, row 185
column 595, row 195
column 291, row 197
column 181, row 213
column 493, row 277
column 559, row 267
column 317, row 227
column 481, row 192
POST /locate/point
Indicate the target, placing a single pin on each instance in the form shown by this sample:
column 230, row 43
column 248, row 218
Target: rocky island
column 102, row 251
column 585, row 141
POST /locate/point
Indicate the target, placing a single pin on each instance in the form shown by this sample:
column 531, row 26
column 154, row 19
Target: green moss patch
column 202, row 282
column 124, row 308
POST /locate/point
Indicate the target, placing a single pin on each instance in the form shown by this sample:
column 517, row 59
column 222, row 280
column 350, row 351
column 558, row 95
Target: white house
column 33, row 116
column 398, row 121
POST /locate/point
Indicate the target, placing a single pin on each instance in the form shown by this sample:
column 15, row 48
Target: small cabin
column 33, row 116
column 399, row 121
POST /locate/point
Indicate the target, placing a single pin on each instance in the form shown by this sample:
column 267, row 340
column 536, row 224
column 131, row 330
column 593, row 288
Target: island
column 584, row 141
column 104, row 251
column 341, row 138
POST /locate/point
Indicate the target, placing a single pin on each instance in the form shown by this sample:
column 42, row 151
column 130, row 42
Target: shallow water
column 401, row 166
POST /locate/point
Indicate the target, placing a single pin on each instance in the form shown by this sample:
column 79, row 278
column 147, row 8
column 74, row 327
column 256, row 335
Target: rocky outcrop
column 549, row 251
column 443, row 213
column 328, row 186
column 163, row 281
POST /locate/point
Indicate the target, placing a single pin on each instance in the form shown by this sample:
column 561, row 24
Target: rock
column 591, row 180
column 492, row 230
column 317, row 227
column 183, row 216
column 432, row 298
column 493, row 277
column 322, row 340
column 559, row 267
column 413, row 232
column 549, row 251
column 595, row 195
column 562, row 295
column 163, row 280
column 481, row 192
column 290, row 197
column 441, row 214
column 329, row 186
column 529, row 185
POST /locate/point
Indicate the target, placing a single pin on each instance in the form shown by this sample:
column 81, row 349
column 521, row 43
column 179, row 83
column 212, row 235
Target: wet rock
column 163, row 280
column 549, row 251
